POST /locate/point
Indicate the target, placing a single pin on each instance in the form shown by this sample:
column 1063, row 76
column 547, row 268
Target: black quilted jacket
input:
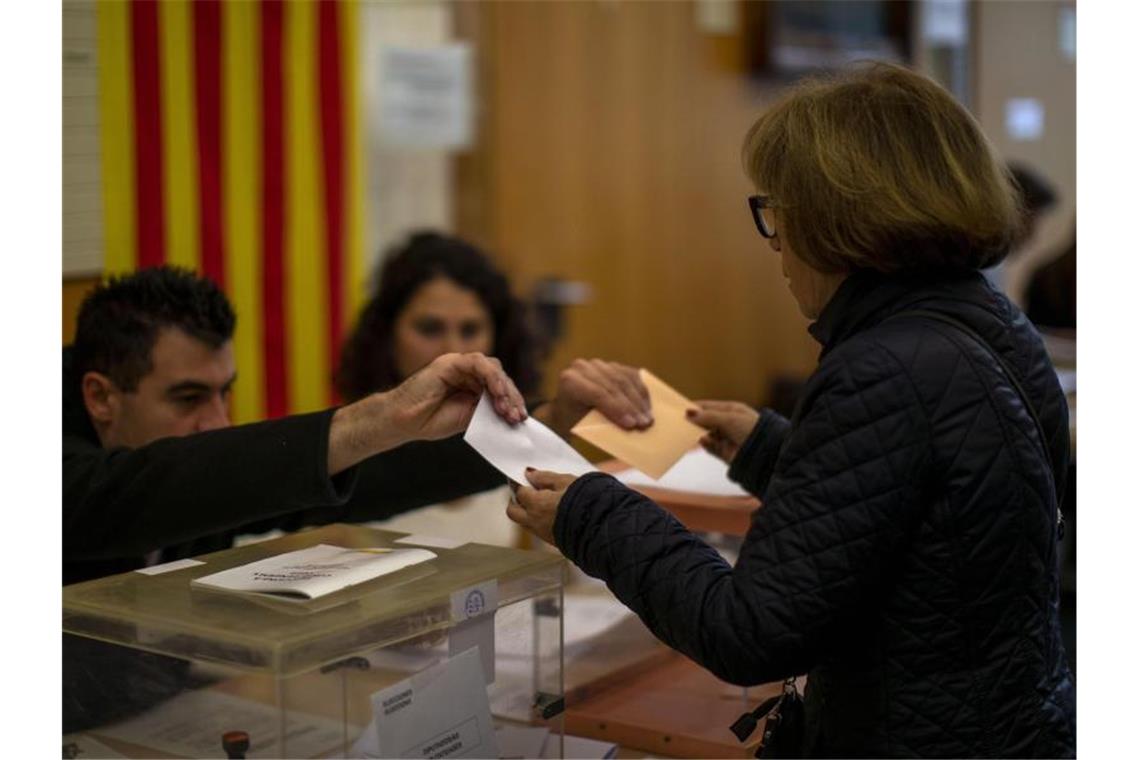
column 905, row 556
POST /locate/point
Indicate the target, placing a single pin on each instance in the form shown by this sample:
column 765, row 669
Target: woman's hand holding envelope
column 614, row 389
column 729, row 424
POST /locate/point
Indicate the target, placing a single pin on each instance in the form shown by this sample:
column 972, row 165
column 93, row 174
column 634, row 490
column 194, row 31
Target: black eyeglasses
column 762, row 215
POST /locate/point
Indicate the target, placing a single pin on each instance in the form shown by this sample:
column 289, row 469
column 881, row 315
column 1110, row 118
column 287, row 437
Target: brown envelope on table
column 656, row 449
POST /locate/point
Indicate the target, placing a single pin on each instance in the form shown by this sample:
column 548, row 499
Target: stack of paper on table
column 313, row 572
column 513, row 448
column 697, row 472
column 655, row 449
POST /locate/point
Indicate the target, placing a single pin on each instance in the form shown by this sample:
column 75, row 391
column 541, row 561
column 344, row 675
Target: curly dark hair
column 119, row 320
column 367, row 363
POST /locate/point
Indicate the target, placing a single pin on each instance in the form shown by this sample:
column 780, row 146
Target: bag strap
column 1011, row 376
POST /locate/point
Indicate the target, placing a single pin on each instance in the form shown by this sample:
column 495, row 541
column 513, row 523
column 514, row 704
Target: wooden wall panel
column 74, row 291
column 609, row 152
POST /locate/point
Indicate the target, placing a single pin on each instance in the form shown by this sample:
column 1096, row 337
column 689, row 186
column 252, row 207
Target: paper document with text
column 313, row 572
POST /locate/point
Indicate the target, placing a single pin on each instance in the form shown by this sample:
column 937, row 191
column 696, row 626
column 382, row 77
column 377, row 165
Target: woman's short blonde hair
column 879, row 167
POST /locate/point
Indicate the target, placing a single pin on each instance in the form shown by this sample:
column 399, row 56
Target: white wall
column 82, row 177
column 406, row 189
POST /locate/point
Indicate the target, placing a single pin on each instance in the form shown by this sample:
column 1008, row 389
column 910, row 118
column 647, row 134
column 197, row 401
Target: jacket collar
column 867, row 297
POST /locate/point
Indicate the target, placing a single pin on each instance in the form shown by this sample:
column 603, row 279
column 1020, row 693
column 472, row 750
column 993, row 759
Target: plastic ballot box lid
column 164, row 613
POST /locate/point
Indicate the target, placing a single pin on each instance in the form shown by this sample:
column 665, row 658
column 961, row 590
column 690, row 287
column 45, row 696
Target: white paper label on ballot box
column 441, row 712
column 473, row 611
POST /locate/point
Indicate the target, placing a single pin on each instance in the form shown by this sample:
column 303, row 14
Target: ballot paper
column 513, row 448
column 658, row 447
column 697, row 472
column 313, row 572
column 439, row 712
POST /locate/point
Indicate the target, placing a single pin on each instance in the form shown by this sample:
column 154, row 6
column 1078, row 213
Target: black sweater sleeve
column 127, row 502
column 418, row 474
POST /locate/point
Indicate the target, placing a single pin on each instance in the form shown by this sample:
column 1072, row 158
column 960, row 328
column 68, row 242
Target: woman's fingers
column 549, row 481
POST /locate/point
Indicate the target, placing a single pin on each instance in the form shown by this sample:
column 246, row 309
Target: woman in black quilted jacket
column 905, row 556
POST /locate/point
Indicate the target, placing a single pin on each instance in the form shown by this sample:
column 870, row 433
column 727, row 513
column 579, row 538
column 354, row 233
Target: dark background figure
column 1036, row 196
column 1051, row 296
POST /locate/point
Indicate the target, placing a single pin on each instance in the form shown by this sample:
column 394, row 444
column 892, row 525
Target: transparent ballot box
column 458, row 656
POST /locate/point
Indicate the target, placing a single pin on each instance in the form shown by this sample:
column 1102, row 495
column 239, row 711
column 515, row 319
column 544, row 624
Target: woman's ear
column 100, row 396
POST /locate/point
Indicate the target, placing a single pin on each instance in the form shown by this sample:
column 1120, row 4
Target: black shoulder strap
column 1010, row 375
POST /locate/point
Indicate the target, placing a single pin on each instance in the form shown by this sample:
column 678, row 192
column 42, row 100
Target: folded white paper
column 696, row 472
column 513, row 448
column 166, row 567
column 436, row 542
column 441, row 712
column 313, row 572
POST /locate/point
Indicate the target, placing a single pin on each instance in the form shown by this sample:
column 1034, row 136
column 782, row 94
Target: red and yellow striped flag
column 231, row 145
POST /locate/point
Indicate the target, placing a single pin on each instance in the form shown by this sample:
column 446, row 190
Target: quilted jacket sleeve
column 841, row 499
column 753, row 465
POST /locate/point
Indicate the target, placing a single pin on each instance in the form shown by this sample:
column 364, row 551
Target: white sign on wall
column 425, row 98
column 1067, row 32
column 1024, row 119
column 945, row 22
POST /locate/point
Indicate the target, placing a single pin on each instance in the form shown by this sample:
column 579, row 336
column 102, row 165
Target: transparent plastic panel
column 153, row 669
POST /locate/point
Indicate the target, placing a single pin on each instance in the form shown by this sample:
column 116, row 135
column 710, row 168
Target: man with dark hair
column 152, row 364
column 153, row 472
column 122, row 326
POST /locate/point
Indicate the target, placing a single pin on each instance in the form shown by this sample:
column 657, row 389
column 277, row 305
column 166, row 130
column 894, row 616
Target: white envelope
column 513, row 448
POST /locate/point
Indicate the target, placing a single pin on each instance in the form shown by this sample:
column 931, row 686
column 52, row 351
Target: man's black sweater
column 192, row 495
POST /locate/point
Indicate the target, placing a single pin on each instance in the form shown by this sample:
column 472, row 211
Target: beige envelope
column 655, row 450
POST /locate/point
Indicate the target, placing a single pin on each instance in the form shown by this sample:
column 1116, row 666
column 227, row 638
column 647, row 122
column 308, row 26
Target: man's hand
column 615, row 390
column 436, row 402
column 729, row 424
column 535, row 508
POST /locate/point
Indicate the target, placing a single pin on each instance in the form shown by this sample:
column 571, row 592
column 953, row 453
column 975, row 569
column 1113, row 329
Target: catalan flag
column 231, row 145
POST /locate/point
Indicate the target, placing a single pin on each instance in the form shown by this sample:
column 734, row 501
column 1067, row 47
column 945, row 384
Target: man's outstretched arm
column 126, row 502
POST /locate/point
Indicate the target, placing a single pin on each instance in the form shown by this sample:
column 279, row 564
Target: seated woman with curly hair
column 438, row 294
